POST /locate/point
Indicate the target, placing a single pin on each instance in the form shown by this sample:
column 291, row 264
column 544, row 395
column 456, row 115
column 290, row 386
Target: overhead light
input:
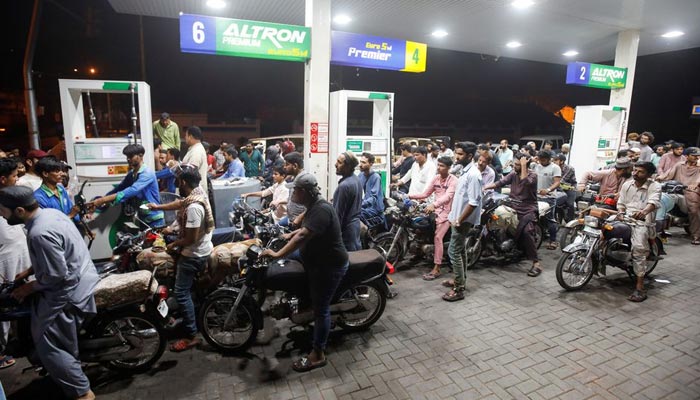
column 216, row 4
column 93, row 71
column 514, row 44
column 673, row 34
column 570, row 53
column 342, row 19
column 75, row 69
column 440, row 33
column 522, row 3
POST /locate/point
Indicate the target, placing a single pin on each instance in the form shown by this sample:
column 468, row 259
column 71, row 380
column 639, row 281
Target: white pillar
column 625, row 57
column 316, row 91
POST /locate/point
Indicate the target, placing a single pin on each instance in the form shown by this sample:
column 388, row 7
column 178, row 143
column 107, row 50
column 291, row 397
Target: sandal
column 453, row 295
column 552, row 246
column 450, row 283
column 638, row 296
column 431, row 276
column 7, row 362
column 534, row 271
column 184, row 344
column 304, row 364
column 695, row 241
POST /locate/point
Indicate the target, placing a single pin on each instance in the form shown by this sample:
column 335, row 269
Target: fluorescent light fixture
column 514, row 44
column 216, row 4
column 570, row 53
column 439, row 33
column 342, row 19
column 673, row 34
column 522, row 3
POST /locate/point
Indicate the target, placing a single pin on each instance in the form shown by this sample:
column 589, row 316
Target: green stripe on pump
column 118, row 86
column 380, row 96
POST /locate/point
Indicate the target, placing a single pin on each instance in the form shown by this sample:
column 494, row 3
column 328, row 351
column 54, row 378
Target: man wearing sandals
column 465, row 213
column 688, row 173
column 639, row 198
column 443, row 186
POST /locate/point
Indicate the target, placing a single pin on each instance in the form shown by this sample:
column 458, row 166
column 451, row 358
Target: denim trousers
column 187, row 269
column 457, row 254
column 323, row 282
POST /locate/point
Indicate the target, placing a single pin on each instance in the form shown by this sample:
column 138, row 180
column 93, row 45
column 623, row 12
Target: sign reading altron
column 596, row 75
column 241, row 38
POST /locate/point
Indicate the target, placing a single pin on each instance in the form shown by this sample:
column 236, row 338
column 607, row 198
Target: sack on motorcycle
column 125, row 288
column 149, row 259
column 601, row 213
column 223, row 260
column 505, row 218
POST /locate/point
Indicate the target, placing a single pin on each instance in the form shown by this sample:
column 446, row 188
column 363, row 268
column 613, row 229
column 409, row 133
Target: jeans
column 557, row 199
column 570, row 204
column 187, row 269
column 351, row 236
column 323, row 282
column 457, row 254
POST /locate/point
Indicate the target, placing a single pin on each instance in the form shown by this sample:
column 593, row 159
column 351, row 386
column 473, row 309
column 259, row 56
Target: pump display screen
column 100, row 152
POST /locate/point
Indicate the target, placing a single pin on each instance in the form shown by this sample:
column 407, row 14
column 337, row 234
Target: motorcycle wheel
column 568, row 235
column 655, row 254
column 539, row 235
column 473, row 248
column 135, row 325
column 383, row 241
column 372, row 301
column 211, row 323
column 571, row 274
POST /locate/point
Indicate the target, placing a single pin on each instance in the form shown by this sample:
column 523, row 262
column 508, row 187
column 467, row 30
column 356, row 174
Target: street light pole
column 29, row 96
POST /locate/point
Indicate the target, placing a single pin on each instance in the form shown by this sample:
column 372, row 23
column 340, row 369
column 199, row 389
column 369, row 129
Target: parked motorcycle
column 675, row 217
column 603, row 241
column 231, row 317
column 126, row 333
column 495, row 234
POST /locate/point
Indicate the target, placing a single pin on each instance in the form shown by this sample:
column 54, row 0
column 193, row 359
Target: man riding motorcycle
column 688, row 173
column 610, row 179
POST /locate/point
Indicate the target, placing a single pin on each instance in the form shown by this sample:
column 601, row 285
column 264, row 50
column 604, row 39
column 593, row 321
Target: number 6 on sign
column 198, row 32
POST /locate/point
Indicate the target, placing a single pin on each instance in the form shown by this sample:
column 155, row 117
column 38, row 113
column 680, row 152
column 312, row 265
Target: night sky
column 458, row 88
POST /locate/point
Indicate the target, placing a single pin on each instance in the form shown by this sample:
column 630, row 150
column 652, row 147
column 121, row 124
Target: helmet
column 288, row 147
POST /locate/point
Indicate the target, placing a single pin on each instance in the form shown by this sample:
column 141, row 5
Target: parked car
column 539, row 140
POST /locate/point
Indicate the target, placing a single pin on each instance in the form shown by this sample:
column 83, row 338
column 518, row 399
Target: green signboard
column 596, row 75
column 354, row 145
column 241, row 38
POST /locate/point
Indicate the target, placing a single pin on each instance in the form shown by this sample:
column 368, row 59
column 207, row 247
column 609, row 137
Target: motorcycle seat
column 364, row 264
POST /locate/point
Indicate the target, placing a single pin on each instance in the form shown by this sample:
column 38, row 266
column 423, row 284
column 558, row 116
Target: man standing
column 434, row 153
column 347, row 200
column 196, row 155
column 671, row 158
column 196, row 223
column 445, row 150
column 31, row 179
column 252, row 161
column 421, row 173
column 293, row 166
column 565, row 150
column 443, row 186
column 51, row 193
column 404, row 163
column 65, row 280
column 165, row 176
column 523, row 188
column 505, row 156
column 220, row 156
column 372, row 213
column 138, row 187
column 167, row 131
column 645, row 142
column 568, row 184
column 688, row 174
column 548, row 181
column 639, row 198
column 464, row 214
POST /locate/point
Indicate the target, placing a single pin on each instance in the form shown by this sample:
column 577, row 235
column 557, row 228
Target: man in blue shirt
column 51, row 193
column 347, row 200
column 235, row 166
column 165, row 176
column 138, row 187
column 372, row 213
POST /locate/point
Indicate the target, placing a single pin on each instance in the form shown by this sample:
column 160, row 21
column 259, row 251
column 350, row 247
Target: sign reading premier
column 355, row 50
column 596, row 75
column 241, row 38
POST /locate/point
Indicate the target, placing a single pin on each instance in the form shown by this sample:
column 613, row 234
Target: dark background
column 463, row 90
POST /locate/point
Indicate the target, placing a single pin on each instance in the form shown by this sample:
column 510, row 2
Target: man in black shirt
column 324, row 257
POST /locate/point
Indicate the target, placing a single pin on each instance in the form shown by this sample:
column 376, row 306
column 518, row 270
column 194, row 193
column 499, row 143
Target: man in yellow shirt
column 167, row 131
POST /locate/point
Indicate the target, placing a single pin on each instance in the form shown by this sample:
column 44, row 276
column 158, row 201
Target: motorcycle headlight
column 591, row 221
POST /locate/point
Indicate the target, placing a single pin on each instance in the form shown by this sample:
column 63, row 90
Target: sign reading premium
column 596, row 75
column 241, row 38
column 355, row 50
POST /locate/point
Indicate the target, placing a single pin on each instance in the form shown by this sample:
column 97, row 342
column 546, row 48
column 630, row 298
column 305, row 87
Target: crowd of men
column 452, row 181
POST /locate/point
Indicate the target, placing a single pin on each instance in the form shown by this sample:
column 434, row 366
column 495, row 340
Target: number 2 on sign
column 583, row 74
column 198, row 32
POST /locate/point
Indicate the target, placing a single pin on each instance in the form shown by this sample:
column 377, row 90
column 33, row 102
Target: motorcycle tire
column 655, row 254
column 472, row 248
column 213, row 314
column 568, row 235
column 564, row 262
column 539, row 235
column 130, row 323
column 374, row 290
column 383, row 243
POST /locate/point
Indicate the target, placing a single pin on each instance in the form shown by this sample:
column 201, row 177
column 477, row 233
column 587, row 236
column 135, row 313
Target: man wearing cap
column 324, row 257
column 31, row 179
column 347, row 200
column 610, row 179
column 168, row 132
column 65, row 280
column 688, row 173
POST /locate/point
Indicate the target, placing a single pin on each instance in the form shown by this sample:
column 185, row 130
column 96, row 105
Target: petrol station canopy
column 545, row 30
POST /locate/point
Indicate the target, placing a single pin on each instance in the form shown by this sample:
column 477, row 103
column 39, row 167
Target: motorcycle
column 603, row 241
column 675, row 216
column 231, row 317
column 587, row 201
column 495, row 234
column 125, row 335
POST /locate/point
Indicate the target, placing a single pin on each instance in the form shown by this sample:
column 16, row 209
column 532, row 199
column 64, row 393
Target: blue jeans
column 557, row 199
column 323, row 282
column 187, row 269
